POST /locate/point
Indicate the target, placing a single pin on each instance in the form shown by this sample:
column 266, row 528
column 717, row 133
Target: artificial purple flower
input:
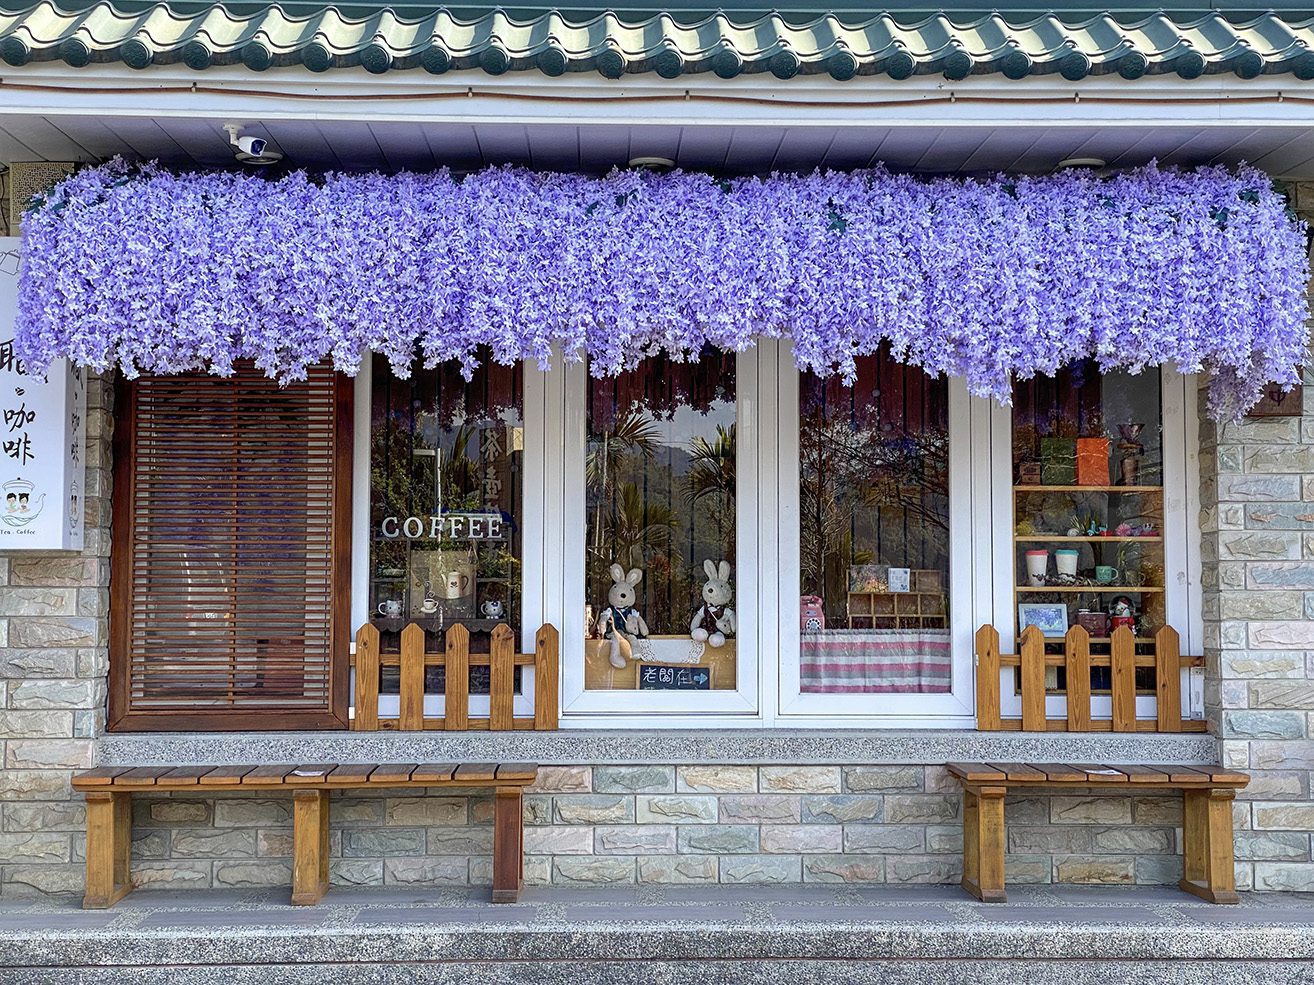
column 993, row 280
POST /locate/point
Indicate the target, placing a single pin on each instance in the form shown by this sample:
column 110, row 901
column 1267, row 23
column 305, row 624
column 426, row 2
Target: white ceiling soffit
column 733, row 126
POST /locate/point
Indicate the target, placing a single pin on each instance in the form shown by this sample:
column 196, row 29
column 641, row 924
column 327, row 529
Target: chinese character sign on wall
column 42, row 439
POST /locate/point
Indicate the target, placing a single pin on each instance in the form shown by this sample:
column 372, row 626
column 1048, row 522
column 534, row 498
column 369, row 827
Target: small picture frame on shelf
column 1028, row 474
column 900, row 579
column 1051, row 618
column 869, row 578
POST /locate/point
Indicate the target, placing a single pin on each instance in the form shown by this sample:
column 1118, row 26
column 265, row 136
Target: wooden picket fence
column 1076, row 658
column 457, row 659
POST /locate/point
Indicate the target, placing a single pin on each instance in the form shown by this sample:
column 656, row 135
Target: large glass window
column 1088, row 523
column 874, row 532
column 660, row 527
column 446, row 461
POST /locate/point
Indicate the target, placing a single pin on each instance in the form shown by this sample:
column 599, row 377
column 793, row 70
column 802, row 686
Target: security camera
column 250, row 150
column 255, row 146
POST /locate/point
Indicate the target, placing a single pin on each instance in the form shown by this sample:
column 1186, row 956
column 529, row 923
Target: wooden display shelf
column 904, row 610
column 1093, row 589
column 1073, row 487
column 1086, row 539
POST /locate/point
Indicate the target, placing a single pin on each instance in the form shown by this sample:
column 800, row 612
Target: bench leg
column 1209, row 865
column 109, row 849
column 508, row 844
column 310, row 846
column 983, row 843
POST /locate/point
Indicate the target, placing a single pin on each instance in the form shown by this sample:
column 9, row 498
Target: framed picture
column 900, row 579
column 1051, row 618
column 867, row 578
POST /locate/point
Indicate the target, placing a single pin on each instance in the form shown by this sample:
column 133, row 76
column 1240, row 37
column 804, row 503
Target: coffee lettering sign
column 445, row 526
column 42, row 443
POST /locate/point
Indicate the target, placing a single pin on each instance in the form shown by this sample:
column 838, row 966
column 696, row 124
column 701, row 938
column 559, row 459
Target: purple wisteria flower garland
column 992, row 280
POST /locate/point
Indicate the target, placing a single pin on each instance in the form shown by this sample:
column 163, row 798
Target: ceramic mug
column 390, row 608
column 1037, row 566
column 1106, row 574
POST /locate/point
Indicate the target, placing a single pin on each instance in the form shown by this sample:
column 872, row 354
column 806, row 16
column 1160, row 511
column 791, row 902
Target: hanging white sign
column 43, row 445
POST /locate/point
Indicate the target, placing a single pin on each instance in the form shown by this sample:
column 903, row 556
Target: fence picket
column 1032, row 651
column 456, row 716
column 987, row 679
column 546, row 647
column 411, row 689
column 1122, row 659
column 367, row 680
column 502, row 679
column 1168, row 679
column 1076, row 651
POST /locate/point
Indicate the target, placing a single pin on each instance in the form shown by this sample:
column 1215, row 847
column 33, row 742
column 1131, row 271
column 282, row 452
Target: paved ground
column 757, row 935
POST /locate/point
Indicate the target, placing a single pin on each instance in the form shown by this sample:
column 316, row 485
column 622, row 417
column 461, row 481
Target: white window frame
column 969, row 518
column 1181, row 543
column 532, row 510
column 767, row 579
column 567, row 416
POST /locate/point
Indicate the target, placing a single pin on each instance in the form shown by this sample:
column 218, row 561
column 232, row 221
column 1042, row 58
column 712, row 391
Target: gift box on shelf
column 1058, row 461
column 1092, row 461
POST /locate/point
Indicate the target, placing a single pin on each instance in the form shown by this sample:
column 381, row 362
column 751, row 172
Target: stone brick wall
column 53, row 634
column 591, row 825
column 1257, row 519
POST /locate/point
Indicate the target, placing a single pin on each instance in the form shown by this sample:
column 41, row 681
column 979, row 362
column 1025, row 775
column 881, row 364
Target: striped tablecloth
column 876, row 661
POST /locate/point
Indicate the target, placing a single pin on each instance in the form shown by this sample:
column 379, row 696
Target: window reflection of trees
column 874, row 483
column 660, row 481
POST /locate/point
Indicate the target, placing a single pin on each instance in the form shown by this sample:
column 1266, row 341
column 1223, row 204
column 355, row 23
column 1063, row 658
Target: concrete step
column 757, row 935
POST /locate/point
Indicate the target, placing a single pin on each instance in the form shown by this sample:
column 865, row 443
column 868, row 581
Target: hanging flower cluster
column 992, row 280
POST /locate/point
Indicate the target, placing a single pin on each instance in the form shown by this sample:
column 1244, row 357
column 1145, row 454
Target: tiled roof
column 435, row 40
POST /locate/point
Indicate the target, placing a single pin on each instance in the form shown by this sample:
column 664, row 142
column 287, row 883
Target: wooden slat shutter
column 231, row 553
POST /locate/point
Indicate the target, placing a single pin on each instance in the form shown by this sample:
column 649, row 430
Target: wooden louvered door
column 231, row 553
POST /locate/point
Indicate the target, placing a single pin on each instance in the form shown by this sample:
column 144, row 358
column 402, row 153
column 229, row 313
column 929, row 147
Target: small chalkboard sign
column 655, row 677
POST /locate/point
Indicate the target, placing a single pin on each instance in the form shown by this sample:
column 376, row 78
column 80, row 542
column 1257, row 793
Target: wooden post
column 1168, row 679
column 1122, row 659
column 1209, row 864
column 502, row 679
column 983, row 843
column 508, row 847
column 367, row 680
column 411, row 688
column 987, row 679
column 456, row 716
column 1076, row 649
column 109, row 849
column 1032, row 650
column 310, row 846
column 546, row 645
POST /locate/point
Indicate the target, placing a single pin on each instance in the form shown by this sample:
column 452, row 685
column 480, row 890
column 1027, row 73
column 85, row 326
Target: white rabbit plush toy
column 620, row 620
column 715, row 620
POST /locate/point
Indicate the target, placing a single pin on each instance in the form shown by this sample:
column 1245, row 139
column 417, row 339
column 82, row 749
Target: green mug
column 1106, row 574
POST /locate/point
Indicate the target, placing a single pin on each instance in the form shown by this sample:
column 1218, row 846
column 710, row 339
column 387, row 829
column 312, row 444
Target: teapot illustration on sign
column 390, row 608
column 492, row 609
column 458, row 583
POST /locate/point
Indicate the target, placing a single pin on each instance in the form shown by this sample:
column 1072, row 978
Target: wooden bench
column 109, row 791
column 1208, row 792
